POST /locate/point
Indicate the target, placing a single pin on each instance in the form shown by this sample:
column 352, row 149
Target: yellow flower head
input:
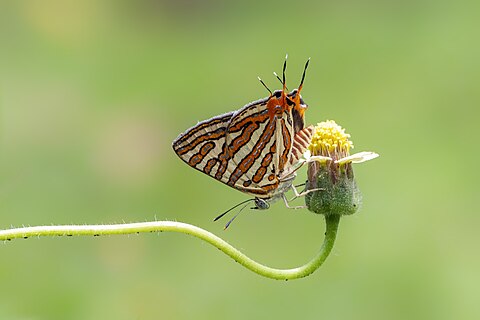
column 329, row 139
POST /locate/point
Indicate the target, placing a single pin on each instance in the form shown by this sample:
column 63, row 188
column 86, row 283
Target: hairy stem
column 159, row 226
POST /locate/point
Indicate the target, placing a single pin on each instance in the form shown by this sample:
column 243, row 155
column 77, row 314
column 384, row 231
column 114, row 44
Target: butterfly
column 256, row 149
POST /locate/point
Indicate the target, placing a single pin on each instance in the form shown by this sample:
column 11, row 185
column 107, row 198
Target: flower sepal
column 338, row 193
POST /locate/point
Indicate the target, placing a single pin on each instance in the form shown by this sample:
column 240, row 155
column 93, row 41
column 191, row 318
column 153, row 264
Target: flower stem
column 159, row 226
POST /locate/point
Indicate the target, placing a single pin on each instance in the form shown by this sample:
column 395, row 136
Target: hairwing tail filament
column 261, row 81
column 283, row 74
column 303, row 76
column 279, row 79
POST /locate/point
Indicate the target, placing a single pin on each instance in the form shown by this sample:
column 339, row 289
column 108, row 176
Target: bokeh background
column 93, row 93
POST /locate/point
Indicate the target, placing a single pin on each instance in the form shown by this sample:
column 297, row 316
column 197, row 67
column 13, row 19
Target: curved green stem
column 159, row 226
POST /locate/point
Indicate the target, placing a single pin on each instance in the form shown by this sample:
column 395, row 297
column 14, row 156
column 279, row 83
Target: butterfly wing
column 206, row 146
column 259, row 139
column 249, row 150
column 301, row 141
column 203, row 146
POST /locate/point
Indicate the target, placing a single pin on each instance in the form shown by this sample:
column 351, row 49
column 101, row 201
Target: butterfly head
column 261, row 204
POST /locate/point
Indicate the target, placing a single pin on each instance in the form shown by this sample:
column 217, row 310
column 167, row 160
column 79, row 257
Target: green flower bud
column 337, row 193
column 330, row 172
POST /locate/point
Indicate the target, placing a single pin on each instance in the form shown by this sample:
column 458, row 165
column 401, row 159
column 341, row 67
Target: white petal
column 320, row 159
column 307, row 155
column 358, row 157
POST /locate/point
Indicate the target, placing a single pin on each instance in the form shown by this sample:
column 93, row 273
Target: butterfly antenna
column 231, row 220
column 261, row 81
column 232, row 208
column 303, row 75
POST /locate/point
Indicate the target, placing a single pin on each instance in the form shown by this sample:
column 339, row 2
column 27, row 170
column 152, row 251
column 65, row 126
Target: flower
column 331, row 186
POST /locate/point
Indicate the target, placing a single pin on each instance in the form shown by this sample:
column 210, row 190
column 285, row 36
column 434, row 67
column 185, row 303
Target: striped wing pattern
column 259, row 141
column 252, row 150
column 203, row 146
column 301, row 142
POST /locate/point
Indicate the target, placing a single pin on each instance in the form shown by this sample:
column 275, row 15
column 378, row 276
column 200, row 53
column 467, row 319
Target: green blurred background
column 93, row 93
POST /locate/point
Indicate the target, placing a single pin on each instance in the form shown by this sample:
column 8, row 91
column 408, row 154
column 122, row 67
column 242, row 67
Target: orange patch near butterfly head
column 300, row 105
column 279, row 101
column 276, row 106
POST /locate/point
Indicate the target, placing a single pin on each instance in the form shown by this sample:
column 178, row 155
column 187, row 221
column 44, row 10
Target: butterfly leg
column 303, row 193
column 288, row 206
column 307, row 158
